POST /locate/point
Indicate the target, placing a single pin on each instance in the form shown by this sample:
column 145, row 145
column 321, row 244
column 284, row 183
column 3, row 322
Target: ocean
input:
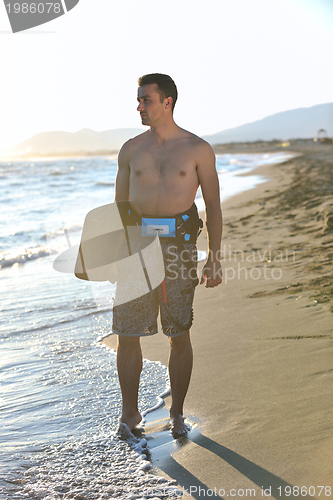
column 60, row 398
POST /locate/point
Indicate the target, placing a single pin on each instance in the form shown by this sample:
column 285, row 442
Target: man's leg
column 180, row 369
column 129, row 364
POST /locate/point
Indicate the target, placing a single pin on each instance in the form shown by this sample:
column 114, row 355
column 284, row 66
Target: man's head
column 166, row 87
column 156, row 100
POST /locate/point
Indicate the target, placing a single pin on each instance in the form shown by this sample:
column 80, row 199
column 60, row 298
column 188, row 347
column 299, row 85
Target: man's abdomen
column 164, row 198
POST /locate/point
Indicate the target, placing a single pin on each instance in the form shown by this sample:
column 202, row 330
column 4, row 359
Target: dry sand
column 262, row 384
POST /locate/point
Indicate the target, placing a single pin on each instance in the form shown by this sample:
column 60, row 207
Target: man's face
column 150, row 107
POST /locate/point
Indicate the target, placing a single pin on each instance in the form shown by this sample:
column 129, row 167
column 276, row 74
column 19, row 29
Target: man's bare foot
column 178, row 426
column 131, row 420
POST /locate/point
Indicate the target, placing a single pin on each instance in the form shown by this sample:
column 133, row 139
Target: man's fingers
column 212, row 282
column 210, row 278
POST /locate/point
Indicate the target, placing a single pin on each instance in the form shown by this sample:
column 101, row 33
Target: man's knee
column 128, row 342
column 180, row 341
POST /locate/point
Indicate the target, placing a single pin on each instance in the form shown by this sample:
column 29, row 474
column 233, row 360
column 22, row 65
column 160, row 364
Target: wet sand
column 262, row 385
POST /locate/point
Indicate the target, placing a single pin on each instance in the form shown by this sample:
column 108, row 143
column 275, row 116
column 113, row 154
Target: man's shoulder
column 197, row 142
column 201, row 151
column 129, row 147
column 134, row 141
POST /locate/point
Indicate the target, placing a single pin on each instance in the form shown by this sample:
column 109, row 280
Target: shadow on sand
column 274, row 486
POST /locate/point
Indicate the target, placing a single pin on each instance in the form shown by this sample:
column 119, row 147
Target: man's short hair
column 166, row 85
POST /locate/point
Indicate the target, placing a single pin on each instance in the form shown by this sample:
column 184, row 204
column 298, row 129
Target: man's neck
column 164, row 132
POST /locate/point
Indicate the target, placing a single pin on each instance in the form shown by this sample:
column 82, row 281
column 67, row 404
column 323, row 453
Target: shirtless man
column 159, row 172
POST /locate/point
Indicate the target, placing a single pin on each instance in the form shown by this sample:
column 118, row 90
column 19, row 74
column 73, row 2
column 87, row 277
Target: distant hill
column 296, row 123
column 82, row 142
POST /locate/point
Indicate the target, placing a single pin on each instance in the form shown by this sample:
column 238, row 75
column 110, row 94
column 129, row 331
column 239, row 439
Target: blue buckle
column 163, row 227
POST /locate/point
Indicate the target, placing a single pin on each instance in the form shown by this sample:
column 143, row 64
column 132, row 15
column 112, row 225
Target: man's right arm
column 123, row 173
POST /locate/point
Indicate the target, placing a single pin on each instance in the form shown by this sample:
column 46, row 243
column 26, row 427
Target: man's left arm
column 212, row 272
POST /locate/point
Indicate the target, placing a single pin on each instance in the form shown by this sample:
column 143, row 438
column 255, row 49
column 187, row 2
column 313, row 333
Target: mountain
column 295, row 123
column 82, row 142
column 292, row 124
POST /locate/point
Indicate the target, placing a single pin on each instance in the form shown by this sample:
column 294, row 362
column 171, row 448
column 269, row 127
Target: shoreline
column 262, row 379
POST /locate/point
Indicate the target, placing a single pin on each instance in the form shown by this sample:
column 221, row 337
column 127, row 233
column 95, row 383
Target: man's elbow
column 213, row 205
column 121, row 190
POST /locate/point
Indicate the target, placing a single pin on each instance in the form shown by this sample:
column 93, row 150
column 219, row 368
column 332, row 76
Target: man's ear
column 168, row 102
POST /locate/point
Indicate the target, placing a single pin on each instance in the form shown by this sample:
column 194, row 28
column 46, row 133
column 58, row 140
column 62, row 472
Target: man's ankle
column 175, row 412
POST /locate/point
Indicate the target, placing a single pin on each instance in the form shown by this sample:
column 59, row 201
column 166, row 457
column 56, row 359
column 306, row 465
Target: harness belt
column 185, row 227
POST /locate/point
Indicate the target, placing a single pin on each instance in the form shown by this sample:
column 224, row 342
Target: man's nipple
column 182, row 173
column 138, row 172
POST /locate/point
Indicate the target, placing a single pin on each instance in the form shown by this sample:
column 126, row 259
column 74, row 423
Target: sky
column 234, row 62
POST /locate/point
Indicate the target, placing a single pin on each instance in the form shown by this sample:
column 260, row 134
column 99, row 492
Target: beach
column 259, row 399
column 60, row 393
column 261, row 390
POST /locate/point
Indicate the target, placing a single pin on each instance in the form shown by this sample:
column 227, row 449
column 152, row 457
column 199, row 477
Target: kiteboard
column 105, row 243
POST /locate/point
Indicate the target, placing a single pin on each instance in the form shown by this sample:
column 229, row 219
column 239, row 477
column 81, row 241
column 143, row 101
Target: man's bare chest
column 163, row 163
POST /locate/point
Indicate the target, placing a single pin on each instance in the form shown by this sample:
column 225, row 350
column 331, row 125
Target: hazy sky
column 234, row 61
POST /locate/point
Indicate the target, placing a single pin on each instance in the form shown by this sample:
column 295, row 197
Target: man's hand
column 211, row 273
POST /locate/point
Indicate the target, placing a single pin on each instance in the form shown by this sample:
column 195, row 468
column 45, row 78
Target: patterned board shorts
column 173, row 298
